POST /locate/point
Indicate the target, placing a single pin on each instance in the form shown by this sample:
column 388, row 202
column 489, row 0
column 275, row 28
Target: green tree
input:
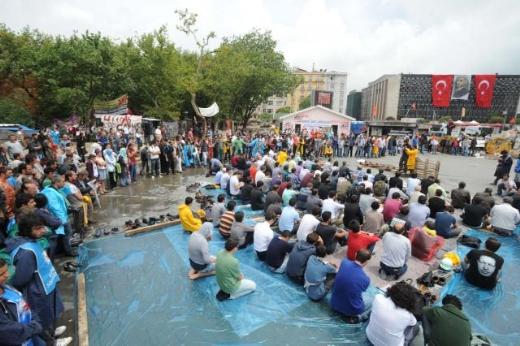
column 244, row 72
column 14, row 113
column 153, row 65
column 306, row 103
column 285, row 109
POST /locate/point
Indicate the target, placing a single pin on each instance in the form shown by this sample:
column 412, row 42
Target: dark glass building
column 354, row 104
column 415, row 100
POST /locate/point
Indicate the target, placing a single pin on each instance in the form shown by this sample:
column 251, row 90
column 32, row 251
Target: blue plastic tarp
column 493, row 313
column 138, row 293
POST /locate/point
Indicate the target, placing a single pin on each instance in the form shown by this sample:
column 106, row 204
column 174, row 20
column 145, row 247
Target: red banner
column 484, row 89
column 441, row 90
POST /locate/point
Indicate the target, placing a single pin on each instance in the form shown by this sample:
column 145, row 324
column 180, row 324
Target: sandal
column 69, row 267
column 74, row 264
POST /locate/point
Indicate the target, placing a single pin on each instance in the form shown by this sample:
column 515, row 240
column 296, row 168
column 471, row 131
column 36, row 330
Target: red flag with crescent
column 484, row 89
column 441, row 90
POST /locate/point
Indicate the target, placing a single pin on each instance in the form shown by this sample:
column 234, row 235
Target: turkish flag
column 441, row 90
column 484, row 89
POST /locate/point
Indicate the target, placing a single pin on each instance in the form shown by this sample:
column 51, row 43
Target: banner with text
column 116, row 106
column 114, row 121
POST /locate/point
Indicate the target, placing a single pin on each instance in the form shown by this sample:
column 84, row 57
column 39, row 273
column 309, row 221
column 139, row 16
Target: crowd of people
column 313, row 207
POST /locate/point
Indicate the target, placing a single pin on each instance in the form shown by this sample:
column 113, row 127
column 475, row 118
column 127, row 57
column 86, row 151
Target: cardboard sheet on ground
column 138, row 293
column 493, row 313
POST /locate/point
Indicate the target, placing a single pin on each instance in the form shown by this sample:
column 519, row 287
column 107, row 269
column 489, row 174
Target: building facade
column 322, row 80
column 272, row 105
column 410, row 95
column 354, row 104
column 381, row 98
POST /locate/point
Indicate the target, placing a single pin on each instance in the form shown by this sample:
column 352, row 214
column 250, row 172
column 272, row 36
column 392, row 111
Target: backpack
column 470, row 241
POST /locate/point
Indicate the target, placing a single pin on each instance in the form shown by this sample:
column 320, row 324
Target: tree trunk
column 197, row 113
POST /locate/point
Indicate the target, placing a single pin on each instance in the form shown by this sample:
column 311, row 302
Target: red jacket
column 358, row 241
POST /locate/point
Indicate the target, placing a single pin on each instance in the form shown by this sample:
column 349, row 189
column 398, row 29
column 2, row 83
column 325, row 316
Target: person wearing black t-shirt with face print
column 483, row 267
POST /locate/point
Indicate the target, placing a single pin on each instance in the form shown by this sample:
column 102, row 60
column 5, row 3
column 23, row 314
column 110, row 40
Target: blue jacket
column 57, row 206
column 13, row 332
column 47, row 307
column 517, row 167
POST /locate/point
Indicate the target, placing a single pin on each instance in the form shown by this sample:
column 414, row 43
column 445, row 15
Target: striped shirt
column 226, row 220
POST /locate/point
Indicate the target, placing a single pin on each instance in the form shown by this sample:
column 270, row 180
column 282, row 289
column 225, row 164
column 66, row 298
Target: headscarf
column 122, row 153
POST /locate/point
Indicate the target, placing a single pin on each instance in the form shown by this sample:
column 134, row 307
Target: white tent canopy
column 210, row 111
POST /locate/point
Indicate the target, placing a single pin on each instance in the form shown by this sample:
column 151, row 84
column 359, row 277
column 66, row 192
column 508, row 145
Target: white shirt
column 334, row 207
column 504, row 216
column 307, row 225
column 155, row 151
column 262, row 236
column 234, row 185
column 411, row 183
column 396, row 250
column 224, row 180
column 303, row 173
column 368, row 184
column 395, row 189
column 388, row 322
column 259, row 176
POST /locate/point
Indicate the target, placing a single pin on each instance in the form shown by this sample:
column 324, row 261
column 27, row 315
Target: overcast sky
column 364, row 38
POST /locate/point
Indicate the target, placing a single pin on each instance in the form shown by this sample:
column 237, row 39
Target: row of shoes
column 104, row 231
column 204, row 200
column 137, row 223
column 193, row 187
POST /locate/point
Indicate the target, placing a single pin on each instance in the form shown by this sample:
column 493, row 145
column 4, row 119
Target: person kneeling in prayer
column 202, row 263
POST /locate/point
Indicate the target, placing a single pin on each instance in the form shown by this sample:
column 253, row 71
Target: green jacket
column 449, row 326
column 227, row 272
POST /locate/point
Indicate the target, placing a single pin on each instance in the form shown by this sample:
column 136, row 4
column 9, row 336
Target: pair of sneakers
column 62, row 341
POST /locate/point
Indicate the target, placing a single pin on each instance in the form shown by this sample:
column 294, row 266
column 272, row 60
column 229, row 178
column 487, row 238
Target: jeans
column 246, row 287
column 112, row 180
column 397, row 272
column 281, row 269
column 133, row 172
column 65, row 239
column 155, row 167
column 205, row 158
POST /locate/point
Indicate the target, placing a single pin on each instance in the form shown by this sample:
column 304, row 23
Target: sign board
column 172, row 128
column 118, row 106
column 322, row 98
column 113, row 121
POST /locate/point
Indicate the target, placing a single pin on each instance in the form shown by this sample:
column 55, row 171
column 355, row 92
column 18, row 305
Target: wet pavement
column 151, row 197
column 148, row 197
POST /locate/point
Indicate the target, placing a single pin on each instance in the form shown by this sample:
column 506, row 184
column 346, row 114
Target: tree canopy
column 44, row 77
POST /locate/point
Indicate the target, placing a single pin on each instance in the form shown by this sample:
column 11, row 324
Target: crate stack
column 426, row 167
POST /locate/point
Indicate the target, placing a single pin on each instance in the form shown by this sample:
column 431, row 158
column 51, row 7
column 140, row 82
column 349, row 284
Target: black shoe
column 145, row 221
column 114, row 230
column 221, row 296
column 106, row 231
column 98, row 233
column 75, row 242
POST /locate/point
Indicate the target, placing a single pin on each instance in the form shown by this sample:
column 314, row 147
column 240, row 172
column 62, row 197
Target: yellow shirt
column 282, row 157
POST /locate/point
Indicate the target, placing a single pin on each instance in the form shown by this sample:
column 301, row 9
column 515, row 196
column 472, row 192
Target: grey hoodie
column 298, row 258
